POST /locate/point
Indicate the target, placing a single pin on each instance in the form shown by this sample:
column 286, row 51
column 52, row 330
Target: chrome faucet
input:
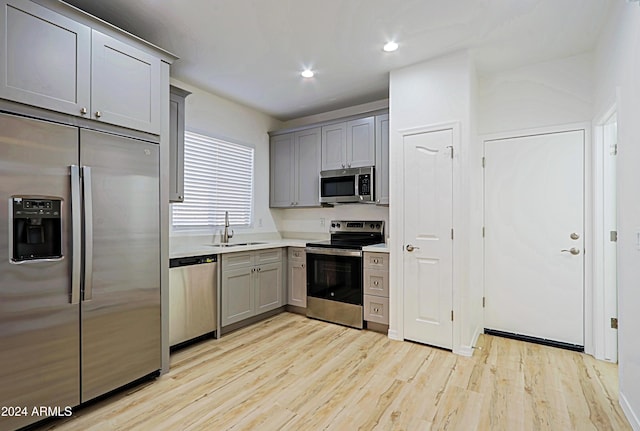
column 226, row 235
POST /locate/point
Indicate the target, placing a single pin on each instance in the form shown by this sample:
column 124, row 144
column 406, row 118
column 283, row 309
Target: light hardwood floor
column 294, row 373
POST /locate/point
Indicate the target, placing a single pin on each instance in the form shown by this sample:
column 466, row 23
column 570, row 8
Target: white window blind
column 218, row 177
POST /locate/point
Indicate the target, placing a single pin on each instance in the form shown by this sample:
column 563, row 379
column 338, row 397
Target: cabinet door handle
column 83, row 111
column 303, row 265
column 259, row 269
column 375, row 283
column 98, row 114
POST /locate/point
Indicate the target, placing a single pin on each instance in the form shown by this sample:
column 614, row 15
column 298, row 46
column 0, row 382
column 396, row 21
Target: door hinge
column 614, row 323
column 484, row 302
column 613, row 150
column 483, row 162
column 483, row 231
column 452, row 315
column 451, row 233
column 613, row 236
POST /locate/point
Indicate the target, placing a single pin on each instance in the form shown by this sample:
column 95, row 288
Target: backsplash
column 306, row 222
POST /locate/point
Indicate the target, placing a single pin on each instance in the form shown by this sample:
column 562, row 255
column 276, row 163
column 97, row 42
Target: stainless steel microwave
column 347, row 185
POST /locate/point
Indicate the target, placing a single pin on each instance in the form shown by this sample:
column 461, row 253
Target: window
column 218, row 177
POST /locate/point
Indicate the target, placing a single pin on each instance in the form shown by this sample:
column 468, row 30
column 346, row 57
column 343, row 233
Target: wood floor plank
column 291, row 373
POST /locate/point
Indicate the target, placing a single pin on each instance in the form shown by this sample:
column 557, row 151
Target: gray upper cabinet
column 281, row 184
column 307, row 167
column 361, row 150
column 176, row 143
column 295, row 169
column 350, row 144
column 125, row 84
column 45, row 58
column 382, row 159
column 54, row 62
column 334, row 146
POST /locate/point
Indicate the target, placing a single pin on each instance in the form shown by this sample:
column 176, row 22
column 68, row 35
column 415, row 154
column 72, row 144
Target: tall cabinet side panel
column 121, row 299
column 39, row 331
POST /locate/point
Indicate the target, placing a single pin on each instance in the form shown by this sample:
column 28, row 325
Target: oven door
column 334, row 274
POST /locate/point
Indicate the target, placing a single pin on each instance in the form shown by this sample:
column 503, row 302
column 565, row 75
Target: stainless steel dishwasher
column 193, row 283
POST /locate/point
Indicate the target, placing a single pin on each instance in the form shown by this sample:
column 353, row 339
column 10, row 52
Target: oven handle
column 334, row 251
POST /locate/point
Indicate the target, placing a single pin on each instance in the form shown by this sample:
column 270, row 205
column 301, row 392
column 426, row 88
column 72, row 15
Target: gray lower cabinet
column 251, row 284
column 176, row 143
column 382, row 160
column 376, row 287
column 295, row 169
column 297, row 277
column 51, row 61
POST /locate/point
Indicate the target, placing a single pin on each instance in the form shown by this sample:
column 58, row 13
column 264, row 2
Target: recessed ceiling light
column 307, row 73
column 390, row 46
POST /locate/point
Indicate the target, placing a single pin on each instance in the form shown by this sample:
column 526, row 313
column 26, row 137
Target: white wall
column 617, row 77
column 430, row 93
column 538, row 95
column 209, row 114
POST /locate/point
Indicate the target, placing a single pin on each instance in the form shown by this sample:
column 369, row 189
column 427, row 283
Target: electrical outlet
column 321, row 221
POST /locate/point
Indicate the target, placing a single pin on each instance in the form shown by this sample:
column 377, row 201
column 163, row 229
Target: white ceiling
column 253, row 51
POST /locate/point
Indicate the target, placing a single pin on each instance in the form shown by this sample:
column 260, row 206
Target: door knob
column 411, row 247
column 574, row 251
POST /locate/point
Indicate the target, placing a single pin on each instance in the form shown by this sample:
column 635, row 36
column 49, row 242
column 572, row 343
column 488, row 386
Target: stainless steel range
column 334, row 271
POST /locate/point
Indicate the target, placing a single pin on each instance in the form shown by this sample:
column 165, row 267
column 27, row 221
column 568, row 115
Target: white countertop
column 379, row 248
column 203, row 249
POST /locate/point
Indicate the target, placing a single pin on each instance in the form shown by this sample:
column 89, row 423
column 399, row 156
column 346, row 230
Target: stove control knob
column 371, row 225
column 333, row 225
column 378, row 226
column 338, row 225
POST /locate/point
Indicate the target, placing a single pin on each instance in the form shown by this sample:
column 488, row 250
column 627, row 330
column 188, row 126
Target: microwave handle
column 357, row 179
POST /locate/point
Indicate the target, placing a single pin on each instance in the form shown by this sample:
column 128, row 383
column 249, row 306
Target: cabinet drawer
column 236, row 260
column 268, row 256
column 376, row 282
column 376, row 309
column 297, row 254
column 376, row 260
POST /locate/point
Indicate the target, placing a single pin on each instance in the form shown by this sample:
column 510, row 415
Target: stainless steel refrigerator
column 79, row 265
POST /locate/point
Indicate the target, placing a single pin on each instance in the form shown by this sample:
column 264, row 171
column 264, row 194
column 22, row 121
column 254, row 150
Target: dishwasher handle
column 192, row 260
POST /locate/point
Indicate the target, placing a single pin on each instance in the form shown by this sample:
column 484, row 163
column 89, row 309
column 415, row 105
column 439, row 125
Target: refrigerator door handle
column 76, row 229
column 88, row 233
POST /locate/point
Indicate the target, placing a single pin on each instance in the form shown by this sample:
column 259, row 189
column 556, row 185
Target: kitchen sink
column 235, row 244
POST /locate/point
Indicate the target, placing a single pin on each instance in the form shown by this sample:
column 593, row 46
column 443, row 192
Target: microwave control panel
column 364, row 184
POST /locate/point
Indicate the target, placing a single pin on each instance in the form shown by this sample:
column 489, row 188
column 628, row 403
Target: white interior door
column 534, row 236
column 428, row 253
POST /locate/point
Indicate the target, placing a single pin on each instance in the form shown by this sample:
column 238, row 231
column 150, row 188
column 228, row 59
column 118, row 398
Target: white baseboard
column 463, row 351
column 468, row 350
column 628, row 411
column 393, row 334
